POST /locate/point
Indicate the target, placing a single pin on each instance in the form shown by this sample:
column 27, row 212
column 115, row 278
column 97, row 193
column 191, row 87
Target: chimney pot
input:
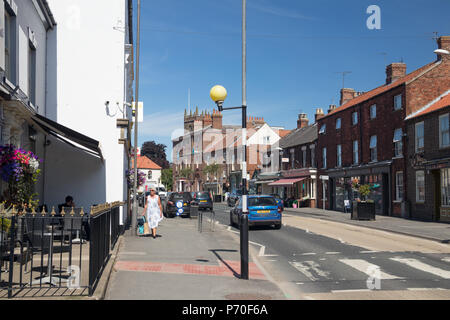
column 319, row 114
column 302, row 121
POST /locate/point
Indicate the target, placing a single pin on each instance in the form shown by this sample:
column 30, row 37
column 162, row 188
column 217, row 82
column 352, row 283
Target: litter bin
column 194, row 211
column 217, row 198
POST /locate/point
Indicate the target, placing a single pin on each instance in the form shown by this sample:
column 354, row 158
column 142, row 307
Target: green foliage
column 186, row 173
column 364, row 190
column 167, row 178
column 212, row 169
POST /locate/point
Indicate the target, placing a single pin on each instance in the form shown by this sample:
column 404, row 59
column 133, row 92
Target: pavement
column 184, row 264
column 426, row 230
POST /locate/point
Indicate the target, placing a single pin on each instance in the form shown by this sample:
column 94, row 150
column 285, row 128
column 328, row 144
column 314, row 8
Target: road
column 316, row 259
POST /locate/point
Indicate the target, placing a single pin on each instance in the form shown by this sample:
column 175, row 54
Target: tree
column 186, row 173
column 212, row 169
column 167, row 178
column 156, row 153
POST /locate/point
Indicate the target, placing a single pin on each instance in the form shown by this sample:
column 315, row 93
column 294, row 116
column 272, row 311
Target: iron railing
column 61, row 253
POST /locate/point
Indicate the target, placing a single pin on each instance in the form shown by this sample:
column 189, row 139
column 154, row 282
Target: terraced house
column 364, row 140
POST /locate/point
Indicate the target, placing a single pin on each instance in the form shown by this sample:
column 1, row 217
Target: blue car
column 263, row 210
column 279, row 201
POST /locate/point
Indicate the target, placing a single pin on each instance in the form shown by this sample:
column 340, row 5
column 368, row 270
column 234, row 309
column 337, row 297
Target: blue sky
column 295, row 49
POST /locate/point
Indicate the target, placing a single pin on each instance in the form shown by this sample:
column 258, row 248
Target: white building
column 66, row 71
column 89, row 84
column 153, row 172
column 23, row 59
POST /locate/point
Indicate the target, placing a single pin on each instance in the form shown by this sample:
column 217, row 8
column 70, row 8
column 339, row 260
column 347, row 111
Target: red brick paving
column 223, row 269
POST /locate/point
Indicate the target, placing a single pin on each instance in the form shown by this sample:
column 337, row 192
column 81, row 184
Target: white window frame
column 324, row 158
column 356, row 152
column 339, row 156
column 445, row 187
column 399, row 185
column 355, row 118
column 373, row 109
column 398, row 99
column 338, row 121
column 398, row 144
column 419, row 138
column 420, row 173
column 441, row 132
column 323, row 129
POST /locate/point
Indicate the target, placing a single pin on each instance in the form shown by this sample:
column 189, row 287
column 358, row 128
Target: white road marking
column 366, row 267
column 332, row 252
column 423, row 267
column 299, row 283
column 447, row 259
column 307, row 254
column 133, row 253
column 271, row 260
column 355, row 290
column 262, row 253
column 368, row 251
column 307, row 267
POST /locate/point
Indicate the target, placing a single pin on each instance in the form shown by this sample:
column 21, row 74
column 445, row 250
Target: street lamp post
column 218, row 95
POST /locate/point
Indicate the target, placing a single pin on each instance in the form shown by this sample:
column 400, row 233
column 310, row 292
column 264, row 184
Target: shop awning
column 69, row 136
column 286, row 182
column 265, row 181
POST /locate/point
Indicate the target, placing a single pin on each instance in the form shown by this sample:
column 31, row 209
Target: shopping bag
column 147, row 231
column 141, row 226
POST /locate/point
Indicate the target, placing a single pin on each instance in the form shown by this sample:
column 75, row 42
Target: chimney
column 332, row 107
column 217, row 120
column 444, row 43
column 395, row 71
column 319, row 114
column 347, row 95
column 302, row 121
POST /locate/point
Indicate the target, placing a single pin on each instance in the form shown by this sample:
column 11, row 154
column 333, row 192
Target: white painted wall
column 90, row 70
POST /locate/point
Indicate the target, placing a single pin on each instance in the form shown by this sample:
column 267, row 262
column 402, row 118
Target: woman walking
column 154, row 211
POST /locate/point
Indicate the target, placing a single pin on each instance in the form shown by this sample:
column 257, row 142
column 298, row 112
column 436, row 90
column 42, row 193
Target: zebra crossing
column 394, row 271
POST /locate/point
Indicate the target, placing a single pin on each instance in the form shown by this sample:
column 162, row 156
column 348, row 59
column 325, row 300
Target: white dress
column 153, row 212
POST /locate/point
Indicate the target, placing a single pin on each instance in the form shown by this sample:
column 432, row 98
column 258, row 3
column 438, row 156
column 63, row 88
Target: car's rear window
column 203, row 195
column 180, row 196
column 254, row 202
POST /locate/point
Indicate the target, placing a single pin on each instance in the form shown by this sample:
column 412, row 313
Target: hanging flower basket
column 20, row 170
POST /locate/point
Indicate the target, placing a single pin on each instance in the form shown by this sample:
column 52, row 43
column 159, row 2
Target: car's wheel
column 278, row 226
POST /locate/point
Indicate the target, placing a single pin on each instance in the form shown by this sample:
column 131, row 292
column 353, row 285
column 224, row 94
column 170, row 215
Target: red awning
column 286, row 182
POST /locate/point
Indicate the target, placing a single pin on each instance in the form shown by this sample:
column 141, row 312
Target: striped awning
column 286, row 182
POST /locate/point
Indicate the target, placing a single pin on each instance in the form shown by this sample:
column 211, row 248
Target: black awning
column 69, row 136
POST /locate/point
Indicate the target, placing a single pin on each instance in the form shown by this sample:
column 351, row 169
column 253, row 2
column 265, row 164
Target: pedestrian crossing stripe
column 423, row 267
column 310, row 269
column 367, row 268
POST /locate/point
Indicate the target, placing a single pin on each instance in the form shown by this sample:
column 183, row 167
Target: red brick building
column 428, row 178
column 364, row 139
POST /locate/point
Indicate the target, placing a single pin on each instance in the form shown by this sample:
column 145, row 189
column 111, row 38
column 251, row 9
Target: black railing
column 62, row 254
column 115, row 225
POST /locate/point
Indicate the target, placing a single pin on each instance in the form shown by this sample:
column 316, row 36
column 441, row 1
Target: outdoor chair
column 73, row 226
column 37, row 237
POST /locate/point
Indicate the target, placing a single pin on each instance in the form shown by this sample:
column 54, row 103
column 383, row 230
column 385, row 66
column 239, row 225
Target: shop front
column 437, row 173
column 298, row 187
column 345, row 187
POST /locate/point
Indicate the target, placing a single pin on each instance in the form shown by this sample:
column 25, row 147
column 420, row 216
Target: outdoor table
column 50, row 279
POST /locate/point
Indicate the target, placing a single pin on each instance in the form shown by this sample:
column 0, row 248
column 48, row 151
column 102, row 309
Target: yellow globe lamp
column 218, row 95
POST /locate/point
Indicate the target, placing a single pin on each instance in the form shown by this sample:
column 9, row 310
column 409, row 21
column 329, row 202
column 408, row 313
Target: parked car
column 234, row 197
column 179, row 204
column 263, row 210
column 161, row 191
column 280, row 201
column 203, row 200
